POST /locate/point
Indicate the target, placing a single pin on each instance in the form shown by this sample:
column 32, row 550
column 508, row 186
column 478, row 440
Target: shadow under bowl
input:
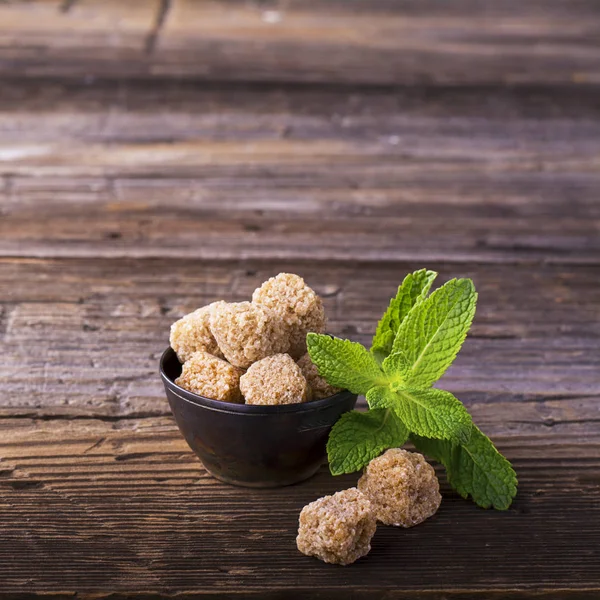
column 253, row 445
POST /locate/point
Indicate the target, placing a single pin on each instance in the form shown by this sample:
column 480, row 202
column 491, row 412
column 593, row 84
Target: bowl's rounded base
column 264, row 484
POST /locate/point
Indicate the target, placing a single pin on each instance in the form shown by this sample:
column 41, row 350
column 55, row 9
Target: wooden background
column 158, row 155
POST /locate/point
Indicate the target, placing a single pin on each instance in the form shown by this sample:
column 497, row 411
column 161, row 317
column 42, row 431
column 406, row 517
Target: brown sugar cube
column 298, row 306
column 192, row 333
column 246, row 333
column 337, row 529
column 211, row 377
column 402, row 487
column 320, row 388
column 274, row 380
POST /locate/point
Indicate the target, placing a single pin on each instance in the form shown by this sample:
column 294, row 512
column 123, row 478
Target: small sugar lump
column 298, row 306
column 192, row 333
column 402, row 487
column 211, row 377
column 245, row 333
column 320, row 388
column 337, row 529
column 274, row 380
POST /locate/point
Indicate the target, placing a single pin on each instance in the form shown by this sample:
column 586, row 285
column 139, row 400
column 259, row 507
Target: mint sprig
column 416, row 340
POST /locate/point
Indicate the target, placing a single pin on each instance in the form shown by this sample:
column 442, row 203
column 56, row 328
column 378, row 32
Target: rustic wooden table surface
column 158, row 155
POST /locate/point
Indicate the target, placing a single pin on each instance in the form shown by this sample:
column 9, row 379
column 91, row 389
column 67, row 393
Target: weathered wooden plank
column 230, row 174
column 35, row 34
column 137, row 111
column 382, row 42
column 145, row 234
column 97, row 508
column 83, row 337
column 375, row 42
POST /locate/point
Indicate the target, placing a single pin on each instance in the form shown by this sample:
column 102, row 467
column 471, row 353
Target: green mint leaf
column 359, row 437
column 412, row 290
column 474, row 468
column 344, row 364
column 386, row 340
column 396, row 366
column 433, row 332
column 430, row 412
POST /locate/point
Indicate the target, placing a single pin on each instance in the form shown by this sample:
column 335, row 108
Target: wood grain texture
column 94, row 475
column 133, row 511
column 365, row 41
column 264, row 173
column 125, row 507
column 83, row 337
column 126, row 205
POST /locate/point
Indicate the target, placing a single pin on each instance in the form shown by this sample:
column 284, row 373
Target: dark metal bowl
column 249, row 445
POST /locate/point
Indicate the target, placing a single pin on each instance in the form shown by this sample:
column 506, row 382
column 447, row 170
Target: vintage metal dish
column 253, row 446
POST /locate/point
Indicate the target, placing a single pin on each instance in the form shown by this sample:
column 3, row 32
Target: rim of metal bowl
column 245, row 409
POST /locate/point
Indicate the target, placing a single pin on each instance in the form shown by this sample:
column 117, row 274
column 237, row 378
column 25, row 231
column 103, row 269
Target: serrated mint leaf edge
column 492, row 483
column 427, row 304
column 343, row 466
column 356, row 380
column 402, row 401
column 423, row 277
column 502, row 499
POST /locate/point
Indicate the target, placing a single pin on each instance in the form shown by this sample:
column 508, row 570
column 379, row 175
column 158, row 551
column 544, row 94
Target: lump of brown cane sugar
column 192, row 333
column 211, row 377
column 337, row 529
column 274, row 380
column 298, row 306
column 402, row 487
column 246, row 333
column 320, row 388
